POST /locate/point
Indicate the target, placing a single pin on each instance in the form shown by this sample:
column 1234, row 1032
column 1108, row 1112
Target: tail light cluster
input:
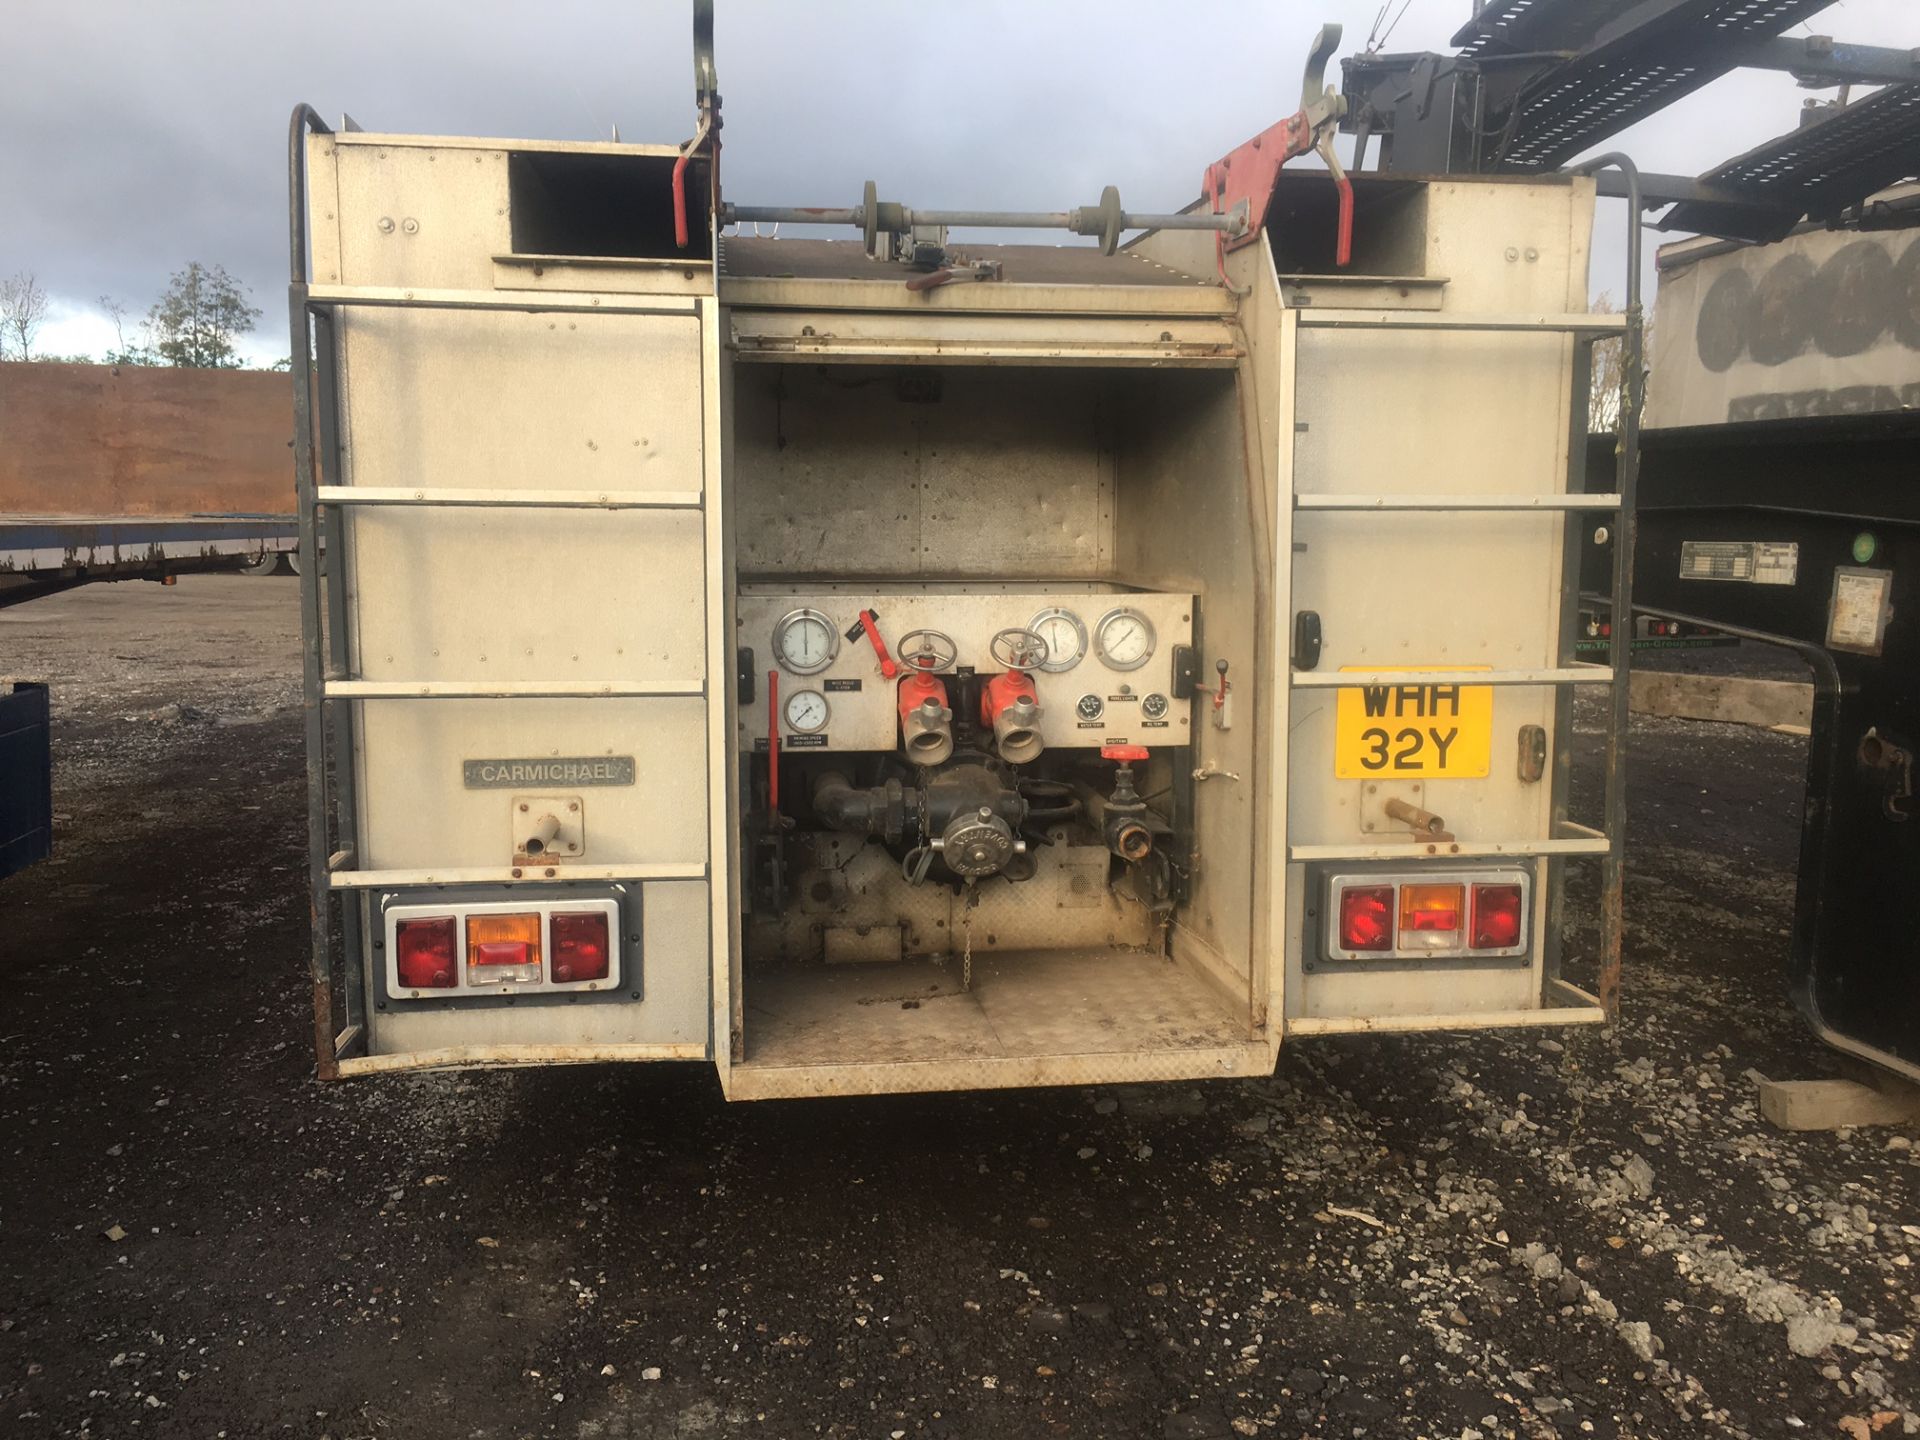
column 493, row 948
column 1429, row 915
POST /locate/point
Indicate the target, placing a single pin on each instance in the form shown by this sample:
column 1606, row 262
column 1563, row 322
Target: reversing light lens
column 580, row 948
column 503, row 949
column 1496, row 917
column 1431, row 916
column 1366, row 918
column 424, row 952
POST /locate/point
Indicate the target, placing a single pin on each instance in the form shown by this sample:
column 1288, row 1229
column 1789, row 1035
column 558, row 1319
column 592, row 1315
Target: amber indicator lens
column 1431, row 916
column 503, row 949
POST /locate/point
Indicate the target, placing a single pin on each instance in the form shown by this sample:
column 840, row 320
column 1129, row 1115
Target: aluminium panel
column 417, row 215
column 504, row 400
column 1195, row 516
column 417, row 812
column 530, row 595
column 1005, row 473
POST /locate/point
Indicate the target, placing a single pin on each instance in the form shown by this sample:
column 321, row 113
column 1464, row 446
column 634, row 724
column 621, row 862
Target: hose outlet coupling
column 1123, row 818
column 926, row 722
column 1009, row 705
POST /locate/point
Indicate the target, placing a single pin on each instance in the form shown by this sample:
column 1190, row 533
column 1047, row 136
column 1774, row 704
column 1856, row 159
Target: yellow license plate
column 1414, row 732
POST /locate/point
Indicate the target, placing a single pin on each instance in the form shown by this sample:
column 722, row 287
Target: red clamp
column 888, row 669
column 1126, row 754
column 1249, row 174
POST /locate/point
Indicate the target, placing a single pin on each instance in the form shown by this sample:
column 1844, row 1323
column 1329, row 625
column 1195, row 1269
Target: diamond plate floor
column 1022, row 1005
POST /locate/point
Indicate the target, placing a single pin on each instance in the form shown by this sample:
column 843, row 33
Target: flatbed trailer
column 115, row 473
column 43, row 555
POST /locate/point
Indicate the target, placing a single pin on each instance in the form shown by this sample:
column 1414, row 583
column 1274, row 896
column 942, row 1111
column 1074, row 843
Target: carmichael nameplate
column 553, row 770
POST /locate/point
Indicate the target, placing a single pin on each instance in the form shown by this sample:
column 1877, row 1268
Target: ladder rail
column 313, row 633
column 1459, row 504
column 1442, row 675
column 1567, row 839
column 525, row 302
column 1633, row 382
column 515, row 499
column 1584, row 323
column 538, row 874
column 357, row 688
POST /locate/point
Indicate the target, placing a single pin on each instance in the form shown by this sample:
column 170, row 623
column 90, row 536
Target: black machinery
column 1790, row 513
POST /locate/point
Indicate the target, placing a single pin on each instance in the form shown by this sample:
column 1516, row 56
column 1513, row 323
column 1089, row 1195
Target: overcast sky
column 135, row 137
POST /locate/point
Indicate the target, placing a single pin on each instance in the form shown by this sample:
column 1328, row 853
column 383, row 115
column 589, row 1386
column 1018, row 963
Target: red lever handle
column 1127, row 753
column 680, row 198
column 888, row 668
column 1343, row 253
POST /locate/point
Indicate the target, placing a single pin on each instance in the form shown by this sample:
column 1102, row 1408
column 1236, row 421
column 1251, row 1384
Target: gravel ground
column 1495, row 1235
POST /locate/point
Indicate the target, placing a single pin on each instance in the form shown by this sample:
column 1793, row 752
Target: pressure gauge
column 806, row 712
column 805, row 641
column 1124, row 639
column 1066, row 637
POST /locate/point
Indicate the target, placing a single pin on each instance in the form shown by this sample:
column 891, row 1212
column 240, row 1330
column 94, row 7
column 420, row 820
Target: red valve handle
column 1343, row 252
column 1125, row 753
column 680, row 236
column 888, row 669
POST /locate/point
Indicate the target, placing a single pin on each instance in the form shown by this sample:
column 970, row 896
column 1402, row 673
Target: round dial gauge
column 806, row 711
column 1154, row 707
column 1124, row 639
column 1090, row 707
column 1066, row 637
column 805, row 641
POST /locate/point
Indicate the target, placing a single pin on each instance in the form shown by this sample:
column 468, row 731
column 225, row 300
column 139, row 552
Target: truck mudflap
column 26, row 778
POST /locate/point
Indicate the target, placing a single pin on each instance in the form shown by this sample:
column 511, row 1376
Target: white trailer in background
column 889, row 664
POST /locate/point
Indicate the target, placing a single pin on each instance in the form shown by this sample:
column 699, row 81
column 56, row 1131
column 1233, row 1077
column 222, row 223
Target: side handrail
column 1633, row 366
column 306, row 121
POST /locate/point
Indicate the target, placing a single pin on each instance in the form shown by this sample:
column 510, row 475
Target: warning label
column 1754, row 562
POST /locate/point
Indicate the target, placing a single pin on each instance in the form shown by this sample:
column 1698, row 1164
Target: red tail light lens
column 426, row 953
column 1366, row 918
column 580, row 946
column 1496, row 917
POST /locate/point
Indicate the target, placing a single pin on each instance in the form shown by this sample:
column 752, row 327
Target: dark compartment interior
column 611, row 206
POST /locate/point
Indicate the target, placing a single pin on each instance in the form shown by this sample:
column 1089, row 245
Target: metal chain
column 966, row 953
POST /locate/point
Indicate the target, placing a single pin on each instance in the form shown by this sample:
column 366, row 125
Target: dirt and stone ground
column 1480, row 1236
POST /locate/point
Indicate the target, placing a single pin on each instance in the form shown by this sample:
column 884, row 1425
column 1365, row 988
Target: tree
column 197, row 320
column 140, row 352
column 1609, row 372
column 23, row 308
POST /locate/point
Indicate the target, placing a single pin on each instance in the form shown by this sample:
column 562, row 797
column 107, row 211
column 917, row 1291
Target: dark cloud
column 135, row 137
